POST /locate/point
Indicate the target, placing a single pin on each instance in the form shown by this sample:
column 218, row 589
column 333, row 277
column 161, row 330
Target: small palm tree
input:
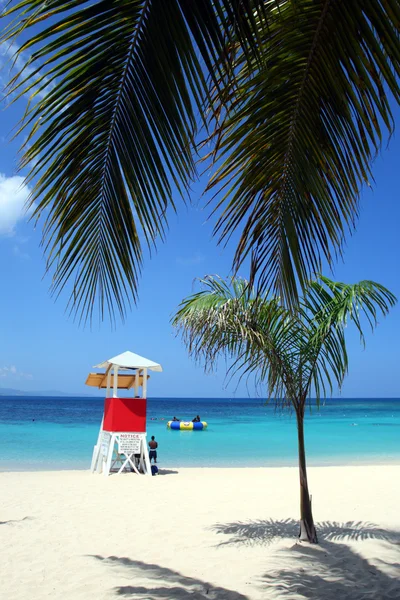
column 296, row 354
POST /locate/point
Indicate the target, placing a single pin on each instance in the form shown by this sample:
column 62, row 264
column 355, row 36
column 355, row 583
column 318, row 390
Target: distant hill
column 12, row 392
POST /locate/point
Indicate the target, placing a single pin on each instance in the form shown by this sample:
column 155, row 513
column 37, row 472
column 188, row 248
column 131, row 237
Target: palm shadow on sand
column 332, row 569
column 164, row 583
column 266, row 531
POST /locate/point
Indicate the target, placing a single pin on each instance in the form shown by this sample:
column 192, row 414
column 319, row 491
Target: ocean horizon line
column 66, row 395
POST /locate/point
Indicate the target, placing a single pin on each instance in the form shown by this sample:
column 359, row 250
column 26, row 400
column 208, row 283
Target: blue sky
column 43, row 349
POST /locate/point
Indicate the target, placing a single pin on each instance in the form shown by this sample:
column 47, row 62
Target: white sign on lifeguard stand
column 122, row 441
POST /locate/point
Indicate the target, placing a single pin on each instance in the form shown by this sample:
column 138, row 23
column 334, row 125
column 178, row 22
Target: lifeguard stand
column 121, row 444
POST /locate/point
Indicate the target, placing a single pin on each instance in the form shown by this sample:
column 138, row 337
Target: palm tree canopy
column 115, row 130
column 299, row 91
column 293, row 352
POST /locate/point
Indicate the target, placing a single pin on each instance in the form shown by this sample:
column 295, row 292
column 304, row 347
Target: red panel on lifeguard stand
column 125, row 414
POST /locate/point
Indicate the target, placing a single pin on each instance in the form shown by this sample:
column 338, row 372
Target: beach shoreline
column 21, row 466
column 226, row 534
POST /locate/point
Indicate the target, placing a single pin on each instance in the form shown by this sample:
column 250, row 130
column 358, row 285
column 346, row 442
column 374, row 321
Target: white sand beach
column 226, row 534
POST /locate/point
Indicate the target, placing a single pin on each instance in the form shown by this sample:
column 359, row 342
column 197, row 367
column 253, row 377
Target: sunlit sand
column 226, row 534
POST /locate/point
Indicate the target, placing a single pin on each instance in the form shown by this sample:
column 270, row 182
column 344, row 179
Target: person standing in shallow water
column 153, row 449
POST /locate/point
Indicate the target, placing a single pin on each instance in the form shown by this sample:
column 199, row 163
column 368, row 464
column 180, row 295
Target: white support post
column 137, row 383
column 96, row 449
column 144, row 387
column 142, row 464
column 146, row 454
column 95, row 458
column 115, row 394
column 101, row 461
column 107, row 464
column 108, row 390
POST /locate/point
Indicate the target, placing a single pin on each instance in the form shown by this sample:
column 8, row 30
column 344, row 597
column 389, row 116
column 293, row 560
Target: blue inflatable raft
column 187, row 425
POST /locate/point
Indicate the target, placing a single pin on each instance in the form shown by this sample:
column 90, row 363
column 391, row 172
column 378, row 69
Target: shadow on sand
column 167, row 472
column 334, row 571
column 162, row 583
column 11, row 521
column 330, row 570
column 265, row 532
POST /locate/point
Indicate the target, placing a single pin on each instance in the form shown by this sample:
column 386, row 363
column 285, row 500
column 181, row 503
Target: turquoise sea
column 59, row 433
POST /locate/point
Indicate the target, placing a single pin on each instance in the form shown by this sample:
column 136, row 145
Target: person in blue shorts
column 153, row 449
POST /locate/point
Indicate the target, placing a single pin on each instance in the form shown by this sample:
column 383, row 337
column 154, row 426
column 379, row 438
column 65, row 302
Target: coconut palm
column 296, row 92
column 294, row 354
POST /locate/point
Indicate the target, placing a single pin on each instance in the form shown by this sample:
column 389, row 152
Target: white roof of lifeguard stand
column 129, row 360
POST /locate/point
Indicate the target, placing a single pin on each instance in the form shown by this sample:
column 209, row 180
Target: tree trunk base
column 307, row 533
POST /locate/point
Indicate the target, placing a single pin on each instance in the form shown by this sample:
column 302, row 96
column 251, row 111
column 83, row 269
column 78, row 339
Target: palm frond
column 297, row 135
column 327, row 308
column 333, row 304
column 292, row 353
column 228, row 319
column 114, row 133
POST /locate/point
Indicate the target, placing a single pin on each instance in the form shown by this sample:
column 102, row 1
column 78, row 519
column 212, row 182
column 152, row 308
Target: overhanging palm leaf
column 115, row 131
column 294, row 353
column 299, row 134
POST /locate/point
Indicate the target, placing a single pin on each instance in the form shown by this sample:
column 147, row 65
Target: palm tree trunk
column 307, row 528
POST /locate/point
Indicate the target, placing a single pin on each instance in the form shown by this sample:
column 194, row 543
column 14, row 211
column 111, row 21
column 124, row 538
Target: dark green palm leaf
column 115, row 131
column 298, row 134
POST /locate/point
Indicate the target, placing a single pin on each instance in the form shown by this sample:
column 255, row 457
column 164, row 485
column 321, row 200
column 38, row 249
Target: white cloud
column 11, row 372
column 196, row 259
column 13, row 196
